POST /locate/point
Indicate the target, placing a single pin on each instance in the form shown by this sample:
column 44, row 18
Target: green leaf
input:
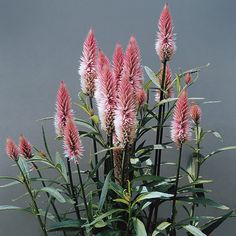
column 95, row 119
column 60, row 164
column 105, row 215
column 215, row 133
column 152, row 76
column 203, row 201
column 139, row 227
column 156, row 179
column 212, row 225
column 10, row 184
column 109, row 233
column 8, row 207
column 161, row 227
column 218, row 151
column 152, row 195
column 85, row 124
column 194, row 230
column 121, row 200
column 54, row 193
column 104, row 191
column 24, row 166
column 66, row 225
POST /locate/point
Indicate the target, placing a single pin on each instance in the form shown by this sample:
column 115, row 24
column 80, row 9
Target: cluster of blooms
column 118, row 90
column 118, row 87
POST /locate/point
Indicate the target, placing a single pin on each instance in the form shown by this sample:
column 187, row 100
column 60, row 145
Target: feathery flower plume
column 180, row 128
column 12, row 149
column 125, row 114
column 141, row 97
column 63, row 109
column 25, row 147
column 105, row 94
column 165, row 44
column 168, row 87
column 188, row 78
column 118, row 63
column 87, row 69
column 72, row 144
column 132, row 65
column 195, row 113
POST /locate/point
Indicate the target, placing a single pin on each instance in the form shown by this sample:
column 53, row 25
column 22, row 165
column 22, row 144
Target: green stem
column 94, row 142
column 83, row 192
column 25, row 180
column 176, row 186
column 159, row 136
column 198, row 167
column 129, row 217
column 123, row 166
column 52, row 203
column 74, row 196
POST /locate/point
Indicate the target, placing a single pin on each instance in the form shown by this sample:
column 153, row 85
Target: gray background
column 41, row 42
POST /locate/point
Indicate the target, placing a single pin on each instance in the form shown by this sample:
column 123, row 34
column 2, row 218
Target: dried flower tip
column 195, row 113
column 180, row 128
column 188, row 78
column 72, row 144
column 12, row 149
column 25, row 147
column 105, row 94
column 165, row 44
column 168, row 87
column 63, row 109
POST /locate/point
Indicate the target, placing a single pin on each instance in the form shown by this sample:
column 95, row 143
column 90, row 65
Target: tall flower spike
column 87, row 69
column 11, row 149
column 63, row 109
column 105, row 94
column 180, row 128
column 118, row 63
column 132, row 65
column 72, row 144
column 125, row 114
column 165, row 44
column 195, row 113
column 25, row 147
column 168, row 86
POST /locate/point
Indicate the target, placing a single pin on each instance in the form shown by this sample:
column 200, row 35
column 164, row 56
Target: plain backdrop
column 41, row 43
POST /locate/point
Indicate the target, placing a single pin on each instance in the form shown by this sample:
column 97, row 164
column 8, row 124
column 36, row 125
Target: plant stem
column 129, row 217
column 74, row 196
column 25, row 180
column 198, row 168
column 52, row 203
column 83, row 192
column 123, row 166
column 159, row 136
column 176, row 186
column 159, row 133
column 94, row 142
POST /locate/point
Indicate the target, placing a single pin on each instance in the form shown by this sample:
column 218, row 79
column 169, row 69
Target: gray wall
column 41, row 42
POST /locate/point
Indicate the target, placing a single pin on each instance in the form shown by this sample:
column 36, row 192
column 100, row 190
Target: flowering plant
column 123, row 189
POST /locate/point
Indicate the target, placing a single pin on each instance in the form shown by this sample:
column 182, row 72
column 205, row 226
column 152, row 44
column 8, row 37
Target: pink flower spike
column 180, row 128
column 132, row 65
column 141, row 97
column 11, row 149
column 125, row 114
column 188, row 78
column 87, row 69
column 72, row 144
column 63, row 109
column 118, row 63
column 195, row 113
column 165, row 44
column 168, row 86
column 105, row 94
column 25, row 147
